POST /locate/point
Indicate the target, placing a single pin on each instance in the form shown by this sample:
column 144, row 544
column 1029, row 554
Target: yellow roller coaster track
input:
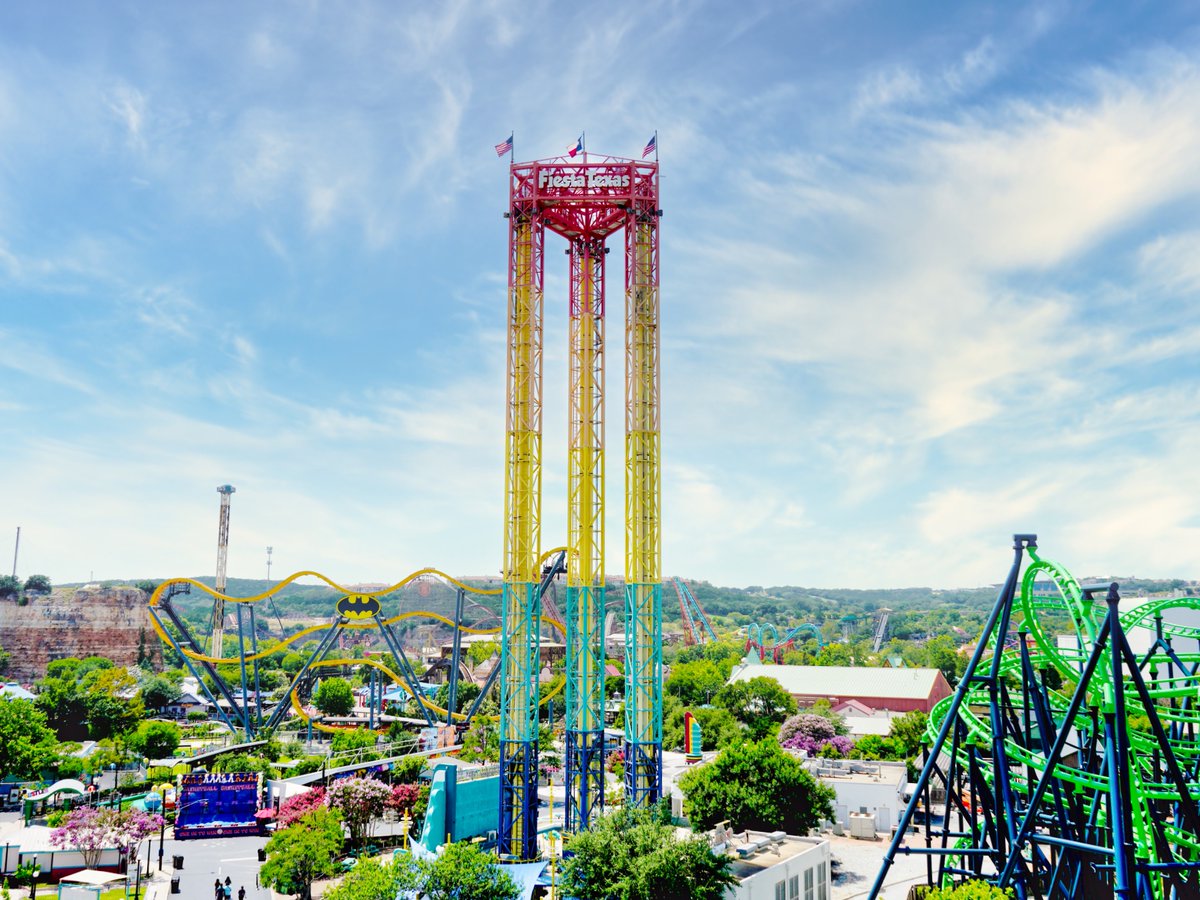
column 157, row 596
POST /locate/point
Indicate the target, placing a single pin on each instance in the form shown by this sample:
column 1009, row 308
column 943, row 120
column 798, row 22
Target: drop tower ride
column 585, row 201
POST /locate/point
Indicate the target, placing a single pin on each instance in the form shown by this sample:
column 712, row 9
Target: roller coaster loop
column 1068, row 767
column 353, row 611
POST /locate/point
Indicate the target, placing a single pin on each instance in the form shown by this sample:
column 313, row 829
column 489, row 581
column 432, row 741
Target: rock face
column 110, row 622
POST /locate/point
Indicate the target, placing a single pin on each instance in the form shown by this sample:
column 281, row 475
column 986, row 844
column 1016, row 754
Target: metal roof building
column 899, row 690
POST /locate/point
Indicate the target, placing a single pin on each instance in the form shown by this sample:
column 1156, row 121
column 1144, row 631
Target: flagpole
column 583, row 139
column 655, row 145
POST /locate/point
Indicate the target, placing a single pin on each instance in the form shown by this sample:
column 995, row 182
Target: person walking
column 242, row 892
column 218, row 891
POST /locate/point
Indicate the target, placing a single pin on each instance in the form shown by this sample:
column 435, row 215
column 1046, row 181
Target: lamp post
column 37, row 870
column 162, row 831
column 405, row 825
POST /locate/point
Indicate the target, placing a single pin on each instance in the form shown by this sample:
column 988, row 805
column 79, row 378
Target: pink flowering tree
column 92, row 830
column 297, row 807
column 360, row 801
column 815, row 735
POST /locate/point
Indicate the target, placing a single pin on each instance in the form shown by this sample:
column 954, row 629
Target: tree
column 159, row 691
column 635, row 855
column 756, row 785
column 111, row 701
column 4, row 658
column 334, row 697
column 298, row 806
column 360, row 801
column 758, row 704
column 300, row 854
column 355, row 739
column 155, row 740
column 908, row 731
column 718, row 727
column 10, row 588
column 37, row 584
column 814, row 734
column 27, row 746
column 371, row 880
column 695, row 683
column 91, row 829
column 464, row 872
column 942, row 653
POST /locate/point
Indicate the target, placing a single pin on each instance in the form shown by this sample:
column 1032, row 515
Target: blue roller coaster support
column 519, row 691
column 584, row 704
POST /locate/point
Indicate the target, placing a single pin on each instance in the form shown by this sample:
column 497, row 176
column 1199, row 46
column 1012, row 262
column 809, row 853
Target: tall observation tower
column 585, row 201
column 218, row 635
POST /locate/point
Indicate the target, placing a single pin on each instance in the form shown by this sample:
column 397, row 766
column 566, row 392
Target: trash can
column 177, row 862
column 175, row 884
column 262, row 854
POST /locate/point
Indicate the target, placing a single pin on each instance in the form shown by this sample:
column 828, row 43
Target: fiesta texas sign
column 591, row 178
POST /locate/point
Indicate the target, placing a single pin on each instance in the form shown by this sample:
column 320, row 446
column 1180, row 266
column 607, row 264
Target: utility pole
column 16, row 550
column 269, row 551
column 226, row 491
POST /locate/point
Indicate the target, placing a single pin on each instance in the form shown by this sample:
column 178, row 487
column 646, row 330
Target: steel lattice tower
column 584, row 202
column 218, row 636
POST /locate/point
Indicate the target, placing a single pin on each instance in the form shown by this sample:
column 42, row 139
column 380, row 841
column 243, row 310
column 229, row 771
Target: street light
column 37, row 870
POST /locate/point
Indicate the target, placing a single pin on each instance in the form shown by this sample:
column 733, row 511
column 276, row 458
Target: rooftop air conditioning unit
column 862, row 826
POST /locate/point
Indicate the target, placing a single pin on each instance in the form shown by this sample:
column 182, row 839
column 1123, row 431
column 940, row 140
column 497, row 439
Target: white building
column 876, row 789
column 778, row 866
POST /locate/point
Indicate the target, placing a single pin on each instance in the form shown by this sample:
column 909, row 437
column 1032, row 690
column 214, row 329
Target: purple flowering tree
column 813, row 734
column 91, row 831
column 360, row 801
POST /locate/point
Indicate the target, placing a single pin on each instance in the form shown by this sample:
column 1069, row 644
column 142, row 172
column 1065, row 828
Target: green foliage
column 10, row 588
column 971, row 890
column 242, row 762
column 371, row 880
column 37, row 584
column 409, row 769
column 299, row 855
column 696, row 682
column 756, row 785
column 27, row 745
column 334, row 697
column 464, row 872
column 292, row 663
column 908, row 732
column 159, row 691
column 635, row 855
column 354, row 739
column 5, row 656
column 464, row 696
column 758, row 704
column 718, row 728
column 155, row 740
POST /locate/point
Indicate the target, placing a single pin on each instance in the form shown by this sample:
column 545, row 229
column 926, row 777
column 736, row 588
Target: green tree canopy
column 718, row 727
column 464, row 872
column 155, row 740
column 635, row 855
column 971, row 890
column 758, row 704
column 371, row 880
column 695, row 683
column 37, row 584
column 334, row 697
column 27, row 746
column 10, row 588
column 756, row 785
column 159, row 691
column 908, row 732
column 300, row 854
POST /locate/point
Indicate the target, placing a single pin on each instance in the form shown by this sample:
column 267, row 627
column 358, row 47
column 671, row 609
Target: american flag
column 651, row 146
column 504, row 146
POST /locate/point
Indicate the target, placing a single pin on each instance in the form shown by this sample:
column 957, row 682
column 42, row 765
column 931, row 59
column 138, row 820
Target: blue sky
column 929, row 275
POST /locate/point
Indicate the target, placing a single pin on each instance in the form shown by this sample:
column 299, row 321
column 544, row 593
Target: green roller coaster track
column 1072, row 766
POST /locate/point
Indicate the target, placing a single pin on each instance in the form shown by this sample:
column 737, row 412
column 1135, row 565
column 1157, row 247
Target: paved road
column 208, row 859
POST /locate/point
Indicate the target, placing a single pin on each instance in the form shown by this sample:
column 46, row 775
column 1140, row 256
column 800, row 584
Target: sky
column 929, row 274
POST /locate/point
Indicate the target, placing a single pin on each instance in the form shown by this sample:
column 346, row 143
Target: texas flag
column 578, row 148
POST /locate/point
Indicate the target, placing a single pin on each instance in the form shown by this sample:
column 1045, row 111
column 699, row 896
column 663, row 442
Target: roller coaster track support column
column 643, row 490
column 520, row 641
column 585, row 514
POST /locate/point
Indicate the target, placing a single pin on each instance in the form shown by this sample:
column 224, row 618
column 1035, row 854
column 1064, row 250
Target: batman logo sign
column 358, row 606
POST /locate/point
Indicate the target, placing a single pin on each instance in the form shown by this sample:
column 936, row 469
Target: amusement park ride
column 585, row 200
column 1072, row 772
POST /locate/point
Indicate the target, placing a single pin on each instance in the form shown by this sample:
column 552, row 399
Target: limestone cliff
column 110, row 622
